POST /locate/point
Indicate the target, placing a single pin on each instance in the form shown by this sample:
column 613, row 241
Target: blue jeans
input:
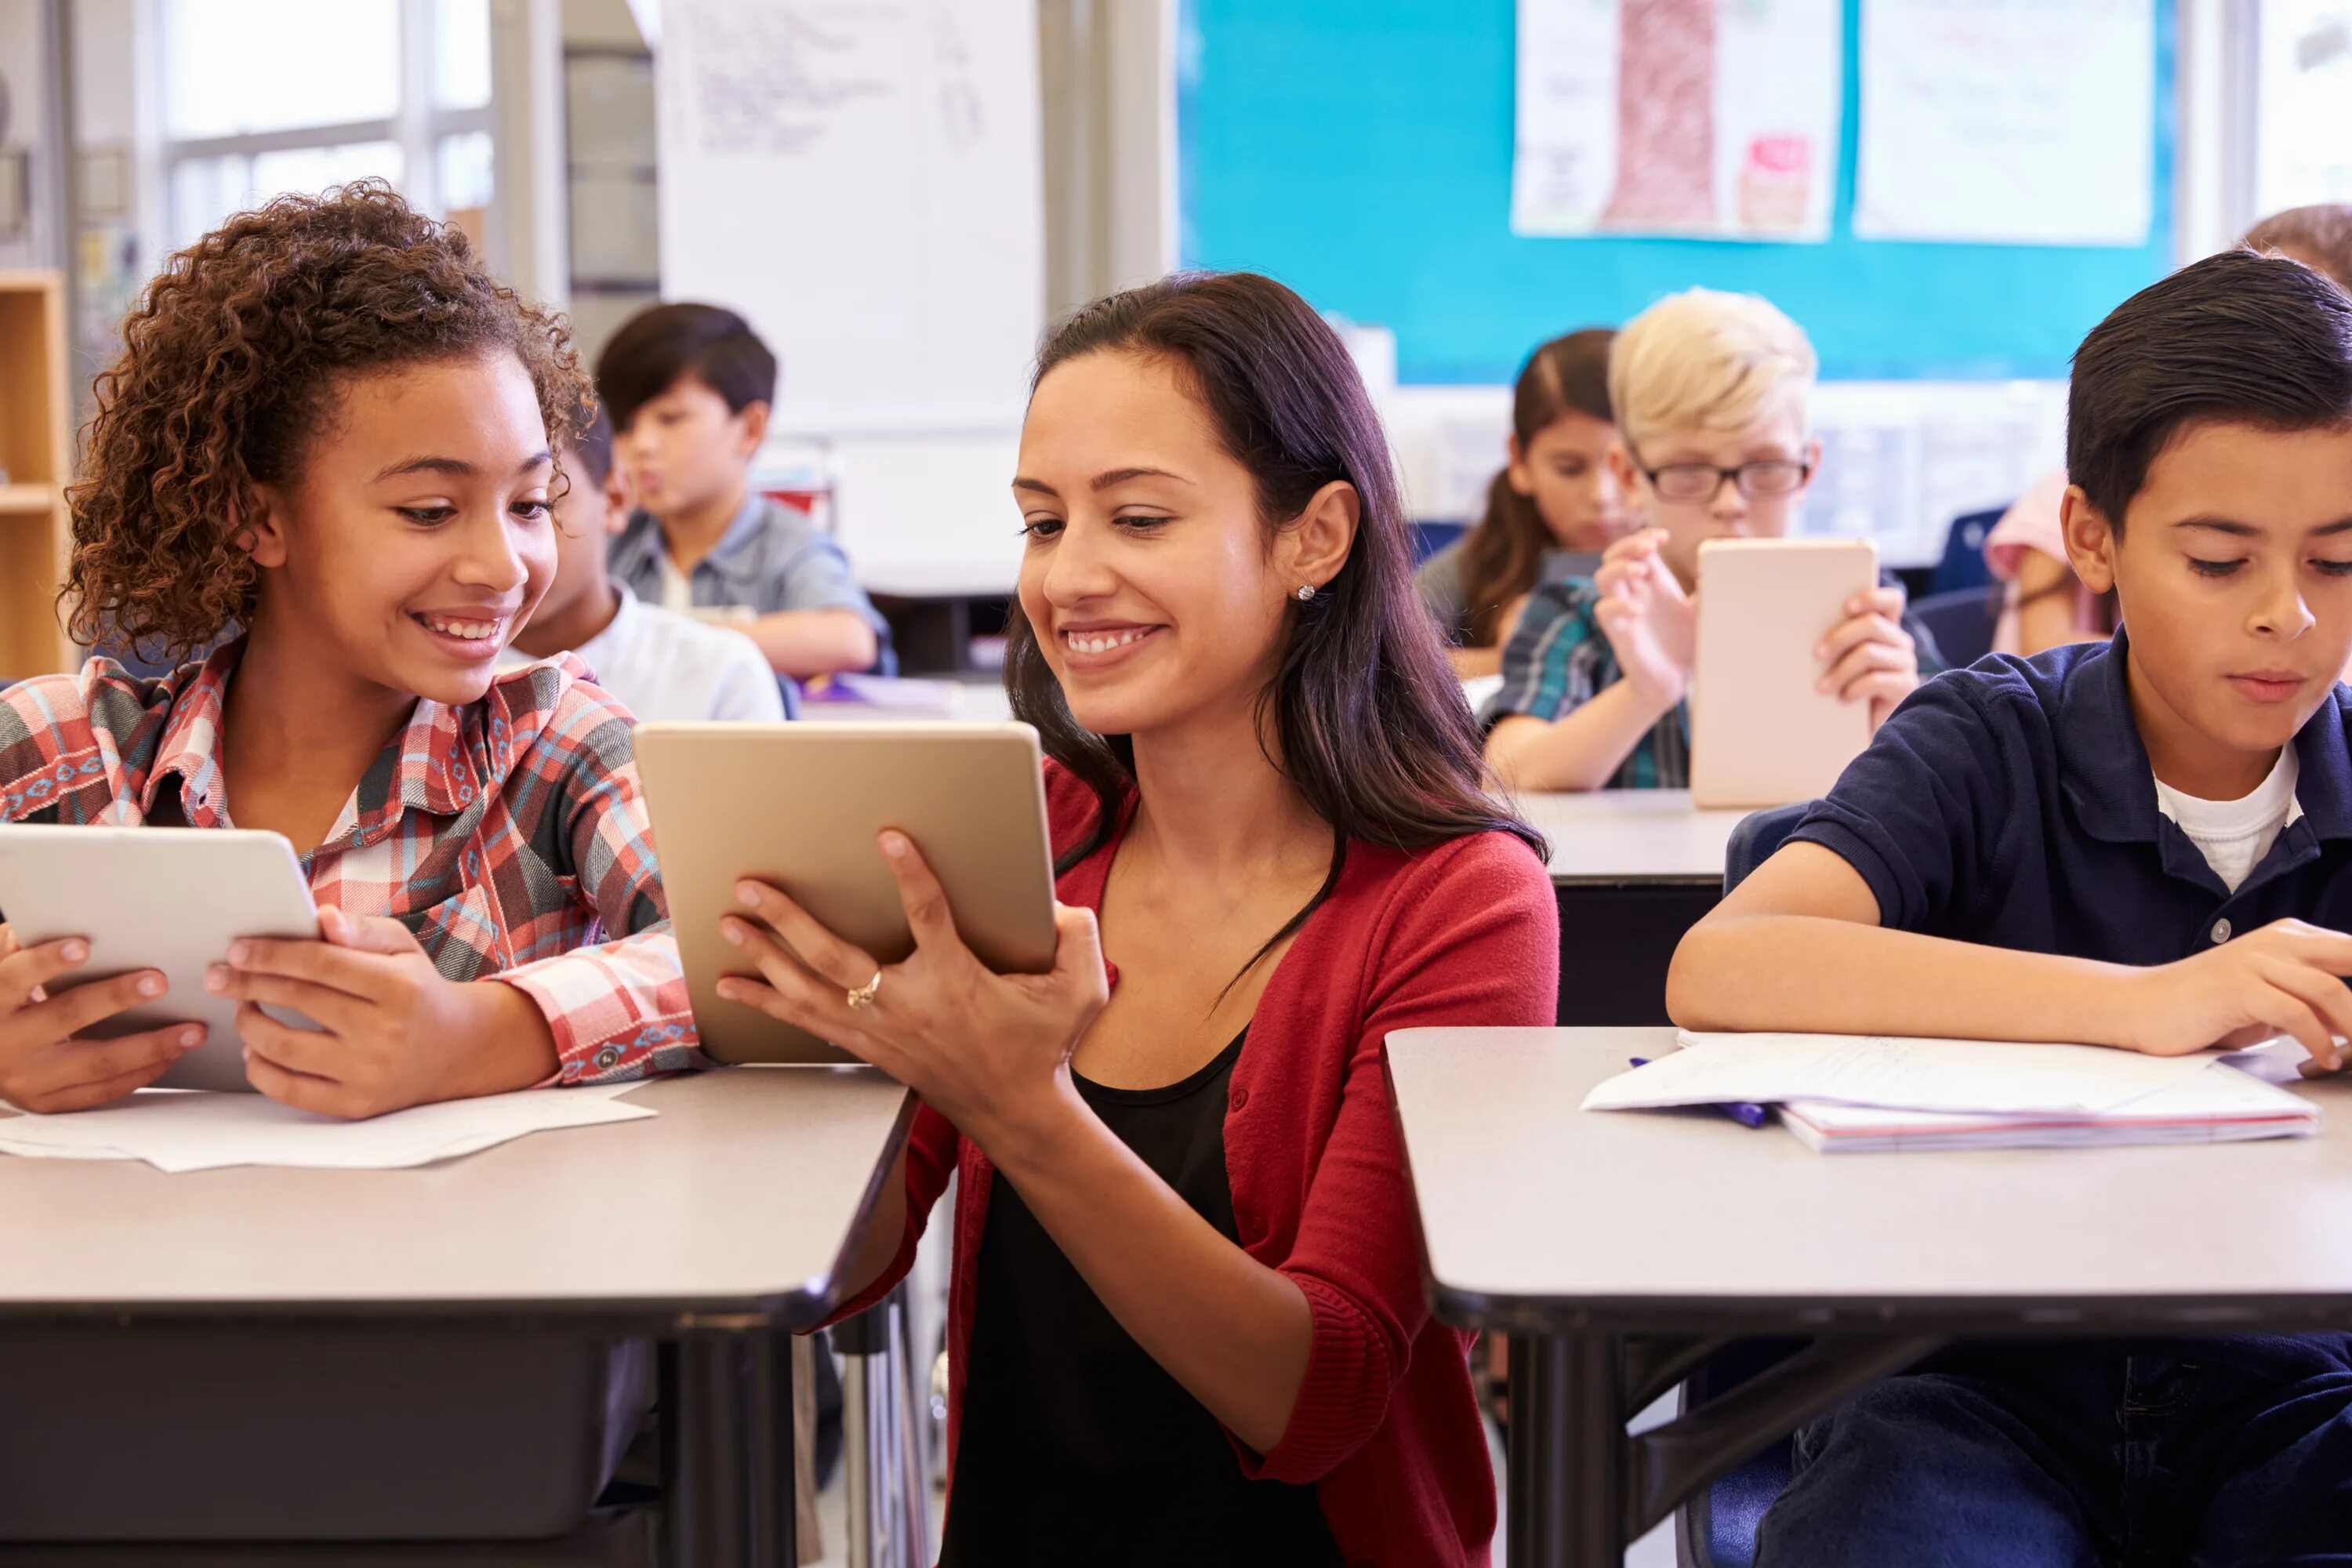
column 2184, row 1454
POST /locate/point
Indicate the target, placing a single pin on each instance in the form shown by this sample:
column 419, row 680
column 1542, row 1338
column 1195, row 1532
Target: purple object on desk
column 1746, row 1112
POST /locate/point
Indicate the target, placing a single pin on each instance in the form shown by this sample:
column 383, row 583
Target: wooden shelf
column 36, row 449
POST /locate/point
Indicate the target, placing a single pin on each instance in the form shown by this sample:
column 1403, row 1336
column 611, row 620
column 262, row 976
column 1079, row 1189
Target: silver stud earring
column 1306, row 592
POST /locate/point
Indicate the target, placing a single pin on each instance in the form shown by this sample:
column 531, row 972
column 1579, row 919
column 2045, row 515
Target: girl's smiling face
column 418, row 535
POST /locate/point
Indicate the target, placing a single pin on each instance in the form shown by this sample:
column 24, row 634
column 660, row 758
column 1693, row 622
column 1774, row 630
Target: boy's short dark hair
column 594, row 447
column 663, row 342
column 2237, row 338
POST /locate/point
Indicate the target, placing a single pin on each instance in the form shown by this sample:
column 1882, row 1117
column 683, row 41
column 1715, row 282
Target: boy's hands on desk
column 990, row 1052
column 43, row 1066
column 2284, row 978
column 393, row 1032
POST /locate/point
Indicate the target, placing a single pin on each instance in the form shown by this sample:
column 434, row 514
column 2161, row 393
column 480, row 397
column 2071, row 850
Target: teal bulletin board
column 1361, row 152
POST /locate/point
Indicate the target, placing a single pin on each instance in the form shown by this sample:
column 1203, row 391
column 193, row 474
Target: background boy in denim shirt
column 688, row 389
column 2146, row 844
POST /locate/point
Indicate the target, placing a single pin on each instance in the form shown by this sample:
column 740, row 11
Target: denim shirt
column 771, row 558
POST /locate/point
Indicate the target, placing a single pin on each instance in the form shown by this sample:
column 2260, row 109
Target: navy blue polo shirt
column 2012, row 803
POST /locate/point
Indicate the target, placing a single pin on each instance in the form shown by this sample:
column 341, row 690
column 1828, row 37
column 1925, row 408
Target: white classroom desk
column 1618, row 836
column 1621, row 1250
column 1632, row 870
column 714, row 1228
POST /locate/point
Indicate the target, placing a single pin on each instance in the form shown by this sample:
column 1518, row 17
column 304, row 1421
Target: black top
column 1077, row 1447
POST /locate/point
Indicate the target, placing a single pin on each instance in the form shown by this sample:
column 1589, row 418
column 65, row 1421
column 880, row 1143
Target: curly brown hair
column 230, row 367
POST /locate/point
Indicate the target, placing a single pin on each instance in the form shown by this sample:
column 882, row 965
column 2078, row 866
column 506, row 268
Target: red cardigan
column 1387, row 1427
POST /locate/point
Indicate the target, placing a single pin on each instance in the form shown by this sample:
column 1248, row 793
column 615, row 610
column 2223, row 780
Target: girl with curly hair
column 328, row 455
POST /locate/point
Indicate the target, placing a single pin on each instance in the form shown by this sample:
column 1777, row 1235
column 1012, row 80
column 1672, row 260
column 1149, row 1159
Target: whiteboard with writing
column 2008, row 122
column 862, row 179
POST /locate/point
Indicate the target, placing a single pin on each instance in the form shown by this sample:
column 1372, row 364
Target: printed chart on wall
column 862, row 178
column 1703, row 119
column 2007, row 121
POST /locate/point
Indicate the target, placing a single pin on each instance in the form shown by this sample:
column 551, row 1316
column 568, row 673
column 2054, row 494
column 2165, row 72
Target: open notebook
column 1861, row 1093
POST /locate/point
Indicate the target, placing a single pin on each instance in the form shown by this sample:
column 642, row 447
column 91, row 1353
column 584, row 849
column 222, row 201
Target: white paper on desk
column 1900, row 1073
column 178, row 1131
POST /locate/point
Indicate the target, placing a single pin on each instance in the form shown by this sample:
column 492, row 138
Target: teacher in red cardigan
column 1186, row 1323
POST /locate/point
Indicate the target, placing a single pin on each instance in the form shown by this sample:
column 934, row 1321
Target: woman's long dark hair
column 1501, row 552
column 1368, row 717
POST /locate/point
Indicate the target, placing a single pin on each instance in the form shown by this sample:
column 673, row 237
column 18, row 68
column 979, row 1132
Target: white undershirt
column 2234, row 834
column 676, row 587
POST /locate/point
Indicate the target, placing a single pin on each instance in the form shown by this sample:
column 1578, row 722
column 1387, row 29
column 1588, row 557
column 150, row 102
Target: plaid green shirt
column 1559, row 659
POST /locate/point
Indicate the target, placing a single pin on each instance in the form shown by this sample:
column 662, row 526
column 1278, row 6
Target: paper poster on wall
column 1707, row 118
column 862, row 179
column 2007, row 121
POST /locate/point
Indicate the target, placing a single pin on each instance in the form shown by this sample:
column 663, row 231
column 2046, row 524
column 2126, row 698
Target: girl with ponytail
column 1557, row 496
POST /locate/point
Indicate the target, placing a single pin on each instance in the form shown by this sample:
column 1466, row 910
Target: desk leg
column 1566, row 1470
column 727, row 1451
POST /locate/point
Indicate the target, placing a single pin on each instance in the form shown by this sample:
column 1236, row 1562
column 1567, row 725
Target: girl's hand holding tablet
column 44, row 1066
column 990, row 1052
column 392, row 1031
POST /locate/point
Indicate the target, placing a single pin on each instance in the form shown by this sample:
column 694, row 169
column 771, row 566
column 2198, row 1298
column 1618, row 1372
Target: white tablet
column 1762, row 734
column 802, row 805
column 171, row 898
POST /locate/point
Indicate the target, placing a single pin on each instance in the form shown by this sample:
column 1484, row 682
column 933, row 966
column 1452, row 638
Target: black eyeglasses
column 1700, row 482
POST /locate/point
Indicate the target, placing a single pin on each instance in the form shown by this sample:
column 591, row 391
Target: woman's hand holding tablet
column 43, row 1066
column 988, row 1051
column 392, row 1031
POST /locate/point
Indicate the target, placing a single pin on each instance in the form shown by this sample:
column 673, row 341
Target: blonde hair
column 1706, row 361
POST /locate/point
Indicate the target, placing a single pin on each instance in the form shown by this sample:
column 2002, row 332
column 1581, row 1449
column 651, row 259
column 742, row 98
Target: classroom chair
column 1717, row 1528
column 1429, row 538
column 1963, row 565
column 1962, row 623
column 886, row 1482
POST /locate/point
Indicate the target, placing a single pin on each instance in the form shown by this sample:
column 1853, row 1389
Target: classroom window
column 461, row 54
column 234, row 68
column 206, row 190
column 465, row 170
column 266, row 97
column 2302, row 134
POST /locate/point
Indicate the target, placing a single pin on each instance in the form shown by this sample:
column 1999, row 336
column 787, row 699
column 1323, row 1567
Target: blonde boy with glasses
column 1710, row 390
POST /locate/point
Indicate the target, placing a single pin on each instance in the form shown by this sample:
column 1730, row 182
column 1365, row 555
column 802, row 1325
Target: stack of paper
column 175, row 1129
column 1878, row 1092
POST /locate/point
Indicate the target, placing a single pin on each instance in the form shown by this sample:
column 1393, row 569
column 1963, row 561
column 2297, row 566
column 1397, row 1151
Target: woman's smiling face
column 1155, row 588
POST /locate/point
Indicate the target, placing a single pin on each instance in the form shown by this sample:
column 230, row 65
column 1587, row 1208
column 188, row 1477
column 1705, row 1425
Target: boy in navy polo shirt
column 2146, row 844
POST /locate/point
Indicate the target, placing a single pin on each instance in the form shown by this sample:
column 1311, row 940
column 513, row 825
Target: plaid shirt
column 508, row 835
column 1559, row 659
